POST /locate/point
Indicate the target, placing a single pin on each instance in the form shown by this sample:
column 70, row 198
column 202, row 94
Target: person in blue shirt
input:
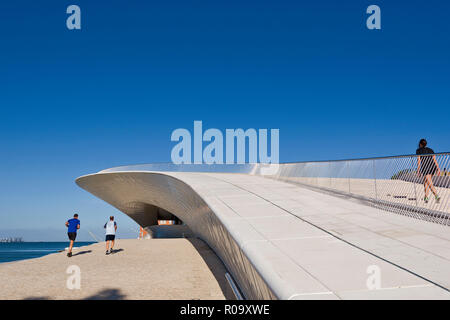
column 72, row 226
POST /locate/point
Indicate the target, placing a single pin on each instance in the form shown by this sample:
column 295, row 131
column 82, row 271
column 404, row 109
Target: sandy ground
column 140, row 269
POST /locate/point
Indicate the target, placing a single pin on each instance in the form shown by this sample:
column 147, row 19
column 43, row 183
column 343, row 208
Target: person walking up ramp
column 111, row 227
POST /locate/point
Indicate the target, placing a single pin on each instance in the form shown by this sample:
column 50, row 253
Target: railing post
column 414, row 182
column 375, row 179
column 348, row 174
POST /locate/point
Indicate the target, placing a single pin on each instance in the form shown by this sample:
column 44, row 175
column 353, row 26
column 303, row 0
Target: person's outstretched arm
column 67, row 223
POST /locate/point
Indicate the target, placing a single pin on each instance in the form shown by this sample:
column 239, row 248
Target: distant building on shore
column 11, row 240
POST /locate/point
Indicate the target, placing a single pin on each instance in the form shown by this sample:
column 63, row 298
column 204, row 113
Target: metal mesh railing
column 394, row 183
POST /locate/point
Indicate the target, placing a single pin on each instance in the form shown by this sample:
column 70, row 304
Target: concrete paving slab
column 426, row 292
column 342, row 267
column 288, row 227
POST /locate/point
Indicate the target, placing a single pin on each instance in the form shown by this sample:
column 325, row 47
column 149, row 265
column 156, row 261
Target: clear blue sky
column 75, row 102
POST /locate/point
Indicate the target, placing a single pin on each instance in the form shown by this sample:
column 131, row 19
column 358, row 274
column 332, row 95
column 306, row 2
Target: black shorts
column 428, row 170
column 110, row 237
column 72, row 235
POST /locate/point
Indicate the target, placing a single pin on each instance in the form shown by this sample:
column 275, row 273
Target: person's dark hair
column 111, row 218
column 75, row 215
column 422, row 143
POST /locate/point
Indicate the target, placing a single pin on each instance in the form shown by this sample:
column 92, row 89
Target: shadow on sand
column 81, row 252
column 107, row 294
column 215, row 265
